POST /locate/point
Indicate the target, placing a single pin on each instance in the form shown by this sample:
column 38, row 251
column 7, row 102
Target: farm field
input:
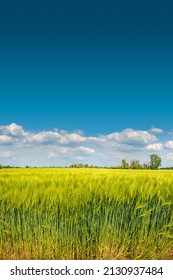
column 89, row 214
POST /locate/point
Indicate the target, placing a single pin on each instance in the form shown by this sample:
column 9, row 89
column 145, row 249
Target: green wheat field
column 86, row 214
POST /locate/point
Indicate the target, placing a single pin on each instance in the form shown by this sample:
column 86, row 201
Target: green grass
column 86, row 214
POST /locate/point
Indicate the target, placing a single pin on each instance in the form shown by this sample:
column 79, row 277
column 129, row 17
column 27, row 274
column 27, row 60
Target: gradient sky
column 97, row 66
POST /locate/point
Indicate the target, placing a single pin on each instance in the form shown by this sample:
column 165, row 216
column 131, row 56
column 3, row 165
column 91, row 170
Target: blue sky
column 101, row 70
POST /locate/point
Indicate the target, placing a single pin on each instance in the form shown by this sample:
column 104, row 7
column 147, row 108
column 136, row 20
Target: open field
column 86, row 214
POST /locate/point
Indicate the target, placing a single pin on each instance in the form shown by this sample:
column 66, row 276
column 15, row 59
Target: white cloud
column 45, row 137
column 79, row 151
column 50, row 137
column 52, row 155
column 65, row 150
column 67, row 138
column 156, row 130
column 86, row 150
column 130, row 136
column 12, row 130
column 169, row 144
column 4, row 139
column 155, row 147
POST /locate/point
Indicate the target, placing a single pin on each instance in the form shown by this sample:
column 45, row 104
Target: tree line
column 154, row 164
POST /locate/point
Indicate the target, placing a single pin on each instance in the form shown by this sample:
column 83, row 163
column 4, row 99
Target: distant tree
column 135, row 164
column 115, row 167
column 124, row 164
column 155, row 161
column 79, row 165
column 146, row 165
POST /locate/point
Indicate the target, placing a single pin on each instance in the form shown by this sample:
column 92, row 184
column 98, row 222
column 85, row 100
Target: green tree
column 135, row 164
column 124, row 164
column 146, row 165
column 155, row 161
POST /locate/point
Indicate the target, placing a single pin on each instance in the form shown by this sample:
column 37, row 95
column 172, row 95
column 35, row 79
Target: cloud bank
column 62, row 148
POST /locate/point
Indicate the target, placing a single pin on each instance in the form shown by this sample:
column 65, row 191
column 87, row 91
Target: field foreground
column 86, row 214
